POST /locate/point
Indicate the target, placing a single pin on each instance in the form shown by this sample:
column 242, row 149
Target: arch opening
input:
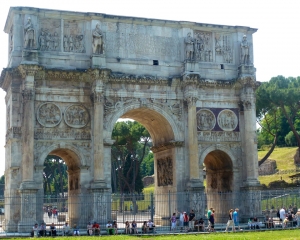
column 219, row 183
column 63, row 206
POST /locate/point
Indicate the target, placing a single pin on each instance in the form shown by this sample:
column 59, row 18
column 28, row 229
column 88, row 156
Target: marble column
column 98, row 101
column 248, row 101
column 28, row 188
column 195, row 182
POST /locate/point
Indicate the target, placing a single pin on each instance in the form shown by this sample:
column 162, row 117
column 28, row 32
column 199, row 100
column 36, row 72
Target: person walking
column 173, row 222
column 181, row 220
column 230, row 221
column 192, row 220
column 212, row 221
column 235, row 216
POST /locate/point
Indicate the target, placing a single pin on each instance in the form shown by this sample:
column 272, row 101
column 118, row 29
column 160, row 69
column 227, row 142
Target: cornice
column 165, row 146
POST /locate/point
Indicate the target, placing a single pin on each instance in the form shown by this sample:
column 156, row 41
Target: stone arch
column 154, row 113
column 66, row 152
column 219, row 162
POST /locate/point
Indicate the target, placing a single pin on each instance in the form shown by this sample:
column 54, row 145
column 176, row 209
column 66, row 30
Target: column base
column 252, row 184
column 195, row 185
column 9, row 226
column 99, row 185
column 26, row 225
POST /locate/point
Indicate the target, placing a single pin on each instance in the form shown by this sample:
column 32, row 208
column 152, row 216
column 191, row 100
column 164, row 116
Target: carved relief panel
column 206, row 120
column 164, row 171
column 76, row 116
column 62, row 121
column 49, row 34
column 217, row 119
column 49, row 115
column 73, row 39
column 223, row 48
column 203, row 46
column 11, row 40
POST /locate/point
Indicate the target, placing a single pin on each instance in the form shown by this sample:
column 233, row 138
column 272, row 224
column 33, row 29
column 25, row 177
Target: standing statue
column 97, row 40
column 245, row 51
column 29, row 34
column 189, row 47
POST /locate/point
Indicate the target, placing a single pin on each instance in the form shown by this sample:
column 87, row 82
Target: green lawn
column 285, row 161
column 262, row 235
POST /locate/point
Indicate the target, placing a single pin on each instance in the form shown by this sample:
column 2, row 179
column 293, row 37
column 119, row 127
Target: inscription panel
column 140, row 41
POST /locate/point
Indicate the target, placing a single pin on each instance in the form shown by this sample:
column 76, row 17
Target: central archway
column 161, row 129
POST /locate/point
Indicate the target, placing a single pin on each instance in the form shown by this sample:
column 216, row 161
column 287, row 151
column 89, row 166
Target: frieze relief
column 164, row 171
column 11, row 40
column 213, row 136
column 227, row 120
column 137, row 79
column 76, row 116
column 73, row 39
column 49, row 115
column 49, row 35
column 223, row 48
column 206, row 120
column 56, row 133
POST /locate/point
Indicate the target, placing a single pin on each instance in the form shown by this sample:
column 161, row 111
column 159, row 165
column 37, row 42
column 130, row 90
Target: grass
column 284, row 158
column 262, row 235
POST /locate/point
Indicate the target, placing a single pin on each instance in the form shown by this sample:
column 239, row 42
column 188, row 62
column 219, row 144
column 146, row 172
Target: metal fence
column 157, row 207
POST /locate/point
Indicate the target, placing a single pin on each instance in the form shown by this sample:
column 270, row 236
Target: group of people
column 287, row 217
column 146, row 227
column 187, row 222
column 41, row 230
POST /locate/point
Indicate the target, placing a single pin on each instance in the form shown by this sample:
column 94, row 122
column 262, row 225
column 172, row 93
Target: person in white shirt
column 110, row 229
column 66, row 230
column 282, row 214
column 151, row 226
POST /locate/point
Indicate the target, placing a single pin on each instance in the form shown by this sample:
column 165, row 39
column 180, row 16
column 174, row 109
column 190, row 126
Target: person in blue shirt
column 236, row 218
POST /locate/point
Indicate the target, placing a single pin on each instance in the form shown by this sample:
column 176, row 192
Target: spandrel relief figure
column 66, row 45
column 42, row 41
column 55, row 41
column 189, row 47
column 29, row 32
column 97, row 40
column 245, row 51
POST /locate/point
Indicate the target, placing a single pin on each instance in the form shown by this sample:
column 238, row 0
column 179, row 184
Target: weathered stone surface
column 70, row 76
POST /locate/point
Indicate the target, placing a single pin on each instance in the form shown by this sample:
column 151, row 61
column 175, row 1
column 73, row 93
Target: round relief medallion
column 76, row 116
column 227, row 120
column 206, row 120
column 49, row 115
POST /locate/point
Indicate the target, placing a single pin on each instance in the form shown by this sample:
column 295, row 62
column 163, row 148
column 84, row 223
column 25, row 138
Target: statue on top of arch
column 98, row 44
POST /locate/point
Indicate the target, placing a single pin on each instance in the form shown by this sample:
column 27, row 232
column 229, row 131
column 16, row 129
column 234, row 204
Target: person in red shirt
column 96, row 228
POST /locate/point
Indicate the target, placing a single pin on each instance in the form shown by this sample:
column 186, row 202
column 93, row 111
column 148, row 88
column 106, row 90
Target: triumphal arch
column 71, row 75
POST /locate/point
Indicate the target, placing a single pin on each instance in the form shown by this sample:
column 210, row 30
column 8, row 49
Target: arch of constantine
column 71, row 75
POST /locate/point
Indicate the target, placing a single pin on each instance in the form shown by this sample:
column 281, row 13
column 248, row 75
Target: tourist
column 173, row 222
column 144, row 227
column 127, row 227
column 208, row 217
column 181, row 221
column 75, row 230
column 230, row 221
column 282, row 214
column 212, row 220
column 235, row 216
column 134, row 227
column 66, row 230
column 192, row 220
column 89, row 229
column 185, row 221
column 115, row 227
column 52, row 230
column 43, row 230
column 151, row 226
column 96, row 228
column 109, row 228
column 35, row 230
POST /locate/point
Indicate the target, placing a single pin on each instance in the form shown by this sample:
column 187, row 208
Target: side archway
column 218, row 163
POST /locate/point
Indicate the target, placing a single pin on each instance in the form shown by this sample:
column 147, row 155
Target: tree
column 132, row 142
column 55, row 176
column 281, row 94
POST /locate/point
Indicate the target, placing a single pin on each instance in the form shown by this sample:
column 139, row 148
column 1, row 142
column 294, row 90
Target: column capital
column 191, row 100
column 29, row 70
